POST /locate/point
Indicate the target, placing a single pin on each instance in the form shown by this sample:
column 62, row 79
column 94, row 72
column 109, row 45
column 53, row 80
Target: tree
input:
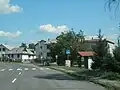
column 113, row 4
column 69, row 40
column 52, row 47
column 23, row 45
column 31, row 46
column 100, row 49
column 116, row 53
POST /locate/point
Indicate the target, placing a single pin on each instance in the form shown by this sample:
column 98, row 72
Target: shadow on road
column 54, row 77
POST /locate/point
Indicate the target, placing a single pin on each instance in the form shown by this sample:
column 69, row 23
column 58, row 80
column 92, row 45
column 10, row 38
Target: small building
column 85, row 56
column 86, row 59
column 20, row 54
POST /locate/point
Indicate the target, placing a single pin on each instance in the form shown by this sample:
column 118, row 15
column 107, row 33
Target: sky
column 32, row 20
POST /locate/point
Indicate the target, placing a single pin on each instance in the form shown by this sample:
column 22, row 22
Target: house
column 3, row 49
column 20, row 54
column 89, row 44
column 42, row 50
column 85, row 56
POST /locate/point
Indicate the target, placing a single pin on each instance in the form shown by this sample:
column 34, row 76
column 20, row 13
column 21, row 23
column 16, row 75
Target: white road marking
column 26, row 68
column 14, row 80
column 19, row 73
column 47, row 68
column 2, row 69
column 33, row 68
column 41, row 69
column 10, row 69
column 19, row 69
column 62, row 69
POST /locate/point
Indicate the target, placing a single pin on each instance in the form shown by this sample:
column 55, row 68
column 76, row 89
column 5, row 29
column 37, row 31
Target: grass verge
column 109, row 80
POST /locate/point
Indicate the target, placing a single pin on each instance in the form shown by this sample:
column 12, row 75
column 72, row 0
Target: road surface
column 29, row 77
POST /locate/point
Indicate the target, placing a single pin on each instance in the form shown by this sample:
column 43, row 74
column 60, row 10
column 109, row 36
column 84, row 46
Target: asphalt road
column 30, row 77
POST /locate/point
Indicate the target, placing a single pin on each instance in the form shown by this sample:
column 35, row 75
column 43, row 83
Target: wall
column 1, row 48
column 15, row 57
column 90, row 63
column 111, row 48
column 25, row 57
column 41, row 51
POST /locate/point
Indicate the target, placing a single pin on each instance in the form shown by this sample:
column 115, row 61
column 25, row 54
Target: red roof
column 86, row 53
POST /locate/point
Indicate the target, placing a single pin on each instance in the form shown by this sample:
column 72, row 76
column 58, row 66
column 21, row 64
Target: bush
column 110, row 76
column 37, row 60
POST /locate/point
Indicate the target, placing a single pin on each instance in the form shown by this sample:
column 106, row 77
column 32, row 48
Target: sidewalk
column 91, row 76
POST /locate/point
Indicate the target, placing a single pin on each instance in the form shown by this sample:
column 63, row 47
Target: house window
column 0, row 49
column 8, row 55
column 48, row 46
column 3, row 49
column 12, row 55
column 18, row 55
column 41, row 47
column 41, row 53
column 48, row 54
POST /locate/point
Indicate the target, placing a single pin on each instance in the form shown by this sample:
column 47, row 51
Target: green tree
column 31, row 46
column 100, row 49
column 23, row 45
column 112, row 4
column 116, row 53
column 71, row 41
column 52, row 47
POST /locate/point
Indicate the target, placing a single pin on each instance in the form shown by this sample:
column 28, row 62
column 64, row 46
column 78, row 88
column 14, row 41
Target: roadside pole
column 68, row 62
column 56, row 59
column 1, row 56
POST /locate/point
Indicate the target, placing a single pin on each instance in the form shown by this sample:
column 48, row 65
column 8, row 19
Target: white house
column 20, row 54
column 4, row 48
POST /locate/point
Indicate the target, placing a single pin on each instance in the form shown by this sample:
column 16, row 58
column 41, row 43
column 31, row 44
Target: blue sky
column 32, row 20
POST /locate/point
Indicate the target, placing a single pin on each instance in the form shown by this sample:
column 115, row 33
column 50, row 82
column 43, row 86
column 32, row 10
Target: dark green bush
column 110, row 76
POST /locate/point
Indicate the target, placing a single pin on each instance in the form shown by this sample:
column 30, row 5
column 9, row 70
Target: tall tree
column 23, row 45
column 31, row 46
column 71, row 41
column 113, row 4
column 100, row 49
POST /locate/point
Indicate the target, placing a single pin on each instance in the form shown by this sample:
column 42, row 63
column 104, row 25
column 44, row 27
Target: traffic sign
column 67, row 51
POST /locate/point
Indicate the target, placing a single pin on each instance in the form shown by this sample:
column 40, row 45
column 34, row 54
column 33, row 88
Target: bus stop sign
column 67, row 51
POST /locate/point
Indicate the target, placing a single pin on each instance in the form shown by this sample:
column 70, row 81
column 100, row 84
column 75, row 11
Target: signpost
column 68, row 61
column 68, row 53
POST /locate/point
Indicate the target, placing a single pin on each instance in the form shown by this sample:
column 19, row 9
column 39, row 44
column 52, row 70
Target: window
column 41, row 47
column 48, row 46
column 41, row 53
column 18, row 55
column 0, row 49
column 9, row 55
column 48, row 54
column 12, row 55
column 3, row 49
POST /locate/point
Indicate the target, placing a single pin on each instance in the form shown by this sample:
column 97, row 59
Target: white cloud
column 6, row 7
column 53, row 29
column 9, row 34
